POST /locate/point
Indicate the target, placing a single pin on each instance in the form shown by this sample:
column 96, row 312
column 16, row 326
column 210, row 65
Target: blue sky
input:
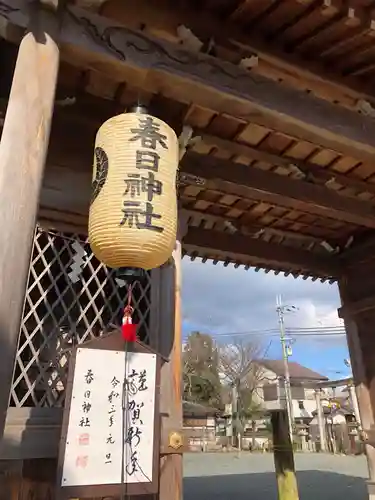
column 222, row 300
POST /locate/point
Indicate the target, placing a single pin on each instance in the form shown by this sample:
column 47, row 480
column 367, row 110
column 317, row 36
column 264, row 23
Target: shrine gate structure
column 274, row 102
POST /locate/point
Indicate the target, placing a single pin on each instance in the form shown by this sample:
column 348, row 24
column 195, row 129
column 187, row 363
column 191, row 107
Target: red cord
column 129, row 330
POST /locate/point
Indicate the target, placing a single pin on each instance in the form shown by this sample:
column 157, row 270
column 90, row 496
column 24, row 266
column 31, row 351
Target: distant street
column 222, row 476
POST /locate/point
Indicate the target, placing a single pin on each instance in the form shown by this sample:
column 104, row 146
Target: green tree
column 200, row 370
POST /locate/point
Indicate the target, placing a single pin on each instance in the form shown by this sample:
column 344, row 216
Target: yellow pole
column 283, row 457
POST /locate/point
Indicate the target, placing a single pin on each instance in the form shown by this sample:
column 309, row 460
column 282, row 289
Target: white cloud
column 221, row 300
column 313, row 314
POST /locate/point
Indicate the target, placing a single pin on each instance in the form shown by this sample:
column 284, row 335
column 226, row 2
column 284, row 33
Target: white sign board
column 110, row 437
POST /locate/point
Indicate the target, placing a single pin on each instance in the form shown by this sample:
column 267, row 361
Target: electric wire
column 294, row 332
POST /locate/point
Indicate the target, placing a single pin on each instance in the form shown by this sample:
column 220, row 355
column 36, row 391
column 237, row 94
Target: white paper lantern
column 133, row 212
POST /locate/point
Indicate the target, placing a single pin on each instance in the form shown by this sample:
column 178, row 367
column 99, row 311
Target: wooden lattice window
column 59, row 314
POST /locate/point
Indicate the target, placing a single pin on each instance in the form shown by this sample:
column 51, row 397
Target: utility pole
column 280, row 308
column 321, row 424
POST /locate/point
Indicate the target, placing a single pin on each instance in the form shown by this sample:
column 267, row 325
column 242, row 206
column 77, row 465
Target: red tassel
column 129, row 330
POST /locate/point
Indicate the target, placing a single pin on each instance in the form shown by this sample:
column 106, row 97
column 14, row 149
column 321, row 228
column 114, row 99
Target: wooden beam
column 256, row 184
column 162, row 19
column 328, row 383
column 92, row 111
column 199, row 218
column 257, row 252
column 23, row 150
column 31, row 433
column 60, row 220
column 65, row 197
column 34, row 433
column 90, row 41
column 69, row 188
column 307, row 168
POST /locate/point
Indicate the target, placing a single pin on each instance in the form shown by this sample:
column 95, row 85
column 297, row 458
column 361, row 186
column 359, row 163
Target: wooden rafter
column 249, row 182
column 307, row 168
column 226, row 246
column 94, row 42
column 160, row 18
column 219, row 175
column 248, row 229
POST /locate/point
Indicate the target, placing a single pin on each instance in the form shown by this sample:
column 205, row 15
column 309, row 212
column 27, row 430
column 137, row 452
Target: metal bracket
column 173, row 441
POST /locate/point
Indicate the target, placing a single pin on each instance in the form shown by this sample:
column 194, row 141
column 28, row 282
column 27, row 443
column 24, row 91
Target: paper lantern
column 133, row 211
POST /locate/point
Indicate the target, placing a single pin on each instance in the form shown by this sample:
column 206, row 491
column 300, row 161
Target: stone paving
column 222, row 476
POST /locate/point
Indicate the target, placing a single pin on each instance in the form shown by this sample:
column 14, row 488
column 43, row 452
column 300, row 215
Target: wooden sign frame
column 111, row 342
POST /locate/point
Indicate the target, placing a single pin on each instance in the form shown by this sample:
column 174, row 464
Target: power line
column 310, row 336
column 318, row 330
column 325, row 328
column 262, row 334
column 294, row 333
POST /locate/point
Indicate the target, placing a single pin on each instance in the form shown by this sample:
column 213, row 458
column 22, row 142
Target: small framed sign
column 111, row 430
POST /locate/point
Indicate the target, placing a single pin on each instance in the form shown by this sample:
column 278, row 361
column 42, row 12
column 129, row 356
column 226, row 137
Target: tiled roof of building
column 296, row 371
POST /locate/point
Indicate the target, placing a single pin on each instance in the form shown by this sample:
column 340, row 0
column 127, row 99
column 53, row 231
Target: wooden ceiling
column 320, row 46
column 288, row 187
column 335, row 34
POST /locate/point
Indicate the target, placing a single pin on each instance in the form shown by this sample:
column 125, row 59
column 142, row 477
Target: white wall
column 309, row 403
column 266, row 377
column 309, row 407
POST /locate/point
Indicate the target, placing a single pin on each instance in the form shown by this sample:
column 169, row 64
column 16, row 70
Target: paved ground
column 223, row 476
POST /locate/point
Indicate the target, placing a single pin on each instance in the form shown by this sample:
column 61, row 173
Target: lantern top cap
column 138, row 108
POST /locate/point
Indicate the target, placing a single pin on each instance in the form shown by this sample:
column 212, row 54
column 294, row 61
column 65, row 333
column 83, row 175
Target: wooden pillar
column 357, row 290
column 283, row 457
column 23, row 149
column 171, row 376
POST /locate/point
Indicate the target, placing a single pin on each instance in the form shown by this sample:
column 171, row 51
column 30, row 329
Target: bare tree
column 187, row 376
column 200, row 369
column 239, row 363
column 240, row 369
